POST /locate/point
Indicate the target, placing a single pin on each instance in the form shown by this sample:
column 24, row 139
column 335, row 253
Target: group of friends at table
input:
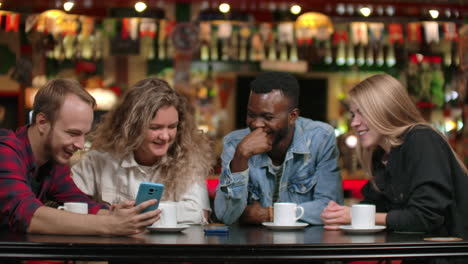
column 417, row 181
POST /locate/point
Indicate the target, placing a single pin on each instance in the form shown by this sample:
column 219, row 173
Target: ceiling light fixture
column 0, row 4
column 295, row 9
column 224, row 8
column 390, row 10
column 434, row 13
column 140, row 6
column 340, row 9
column 365, row 11
column 67, row 6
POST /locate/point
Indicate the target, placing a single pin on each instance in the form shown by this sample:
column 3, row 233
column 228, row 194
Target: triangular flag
column 450, row 31
column 414, row 32
column 396, row 33
column 12, row 22
column 148, row 27
column 376, row 32
column 431, row 30
column 125, row 28
column 359, row 33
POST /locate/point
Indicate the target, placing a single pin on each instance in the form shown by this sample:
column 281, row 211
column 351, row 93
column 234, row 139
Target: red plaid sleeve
column 18, row 200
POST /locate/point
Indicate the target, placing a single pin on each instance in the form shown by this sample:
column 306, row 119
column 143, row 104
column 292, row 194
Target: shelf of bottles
column 352, row 44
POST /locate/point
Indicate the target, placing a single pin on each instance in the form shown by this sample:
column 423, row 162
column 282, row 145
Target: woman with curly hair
column 150, row 135
column 418, row 183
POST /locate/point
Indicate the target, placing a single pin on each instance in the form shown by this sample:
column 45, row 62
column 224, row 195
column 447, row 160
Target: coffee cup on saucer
column 75, row 207
column 285, row 214
column 363, row 216
column 168, row 216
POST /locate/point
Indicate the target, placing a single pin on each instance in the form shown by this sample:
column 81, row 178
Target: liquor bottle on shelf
column 370, row 55
column 448, row 54
column 272, row 49
column 328, row 59
column 234, row 46
column 243, row 50
column 350, row 58
column 390, row 59
column 293, row 53
column 380, row 56
column 162, row 40
column 204, row 51
column 284, row 51
column 361, row 60
column 214, row 47
column 224, row 49
column 162, row 49
column 341, row 54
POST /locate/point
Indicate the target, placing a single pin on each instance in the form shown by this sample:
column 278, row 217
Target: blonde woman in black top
column 418, row 183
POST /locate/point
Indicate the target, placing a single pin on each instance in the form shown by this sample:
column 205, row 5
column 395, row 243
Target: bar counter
column 243, row 243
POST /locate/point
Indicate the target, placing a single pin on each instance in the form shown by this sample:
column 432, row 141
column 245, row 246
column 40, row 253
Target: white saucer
column 374, row 229
column 176, row 228
column 297, row 225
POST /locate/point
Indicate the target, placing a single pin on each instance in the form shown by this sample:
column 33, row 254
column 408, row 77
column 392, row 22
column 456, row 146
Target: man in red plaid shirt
column 34, row 169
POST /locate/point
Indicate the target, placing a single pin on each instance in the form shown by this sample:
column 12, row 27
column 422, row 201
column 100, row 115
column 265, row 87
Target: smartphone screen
column 148, row 191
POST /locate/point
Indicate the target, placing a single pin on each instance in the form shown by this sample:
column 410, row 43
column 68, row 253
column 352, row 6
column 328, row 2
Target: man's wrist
column 270, row 213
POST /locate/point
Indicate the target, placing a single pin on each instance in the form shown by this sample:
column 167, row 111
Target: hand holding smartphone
column 148, row 191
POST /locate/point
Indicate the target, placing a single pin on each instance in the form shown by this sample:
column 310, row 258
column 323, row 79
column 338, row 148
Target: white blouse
column 106, row 179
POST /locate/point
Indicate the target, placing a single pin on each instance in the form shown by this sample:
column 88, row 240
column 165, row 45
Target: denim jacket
column 310, row 175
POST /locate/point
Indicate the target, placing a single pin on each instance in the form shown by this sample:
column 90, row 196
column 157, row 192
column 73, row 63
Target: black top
column 422, row 187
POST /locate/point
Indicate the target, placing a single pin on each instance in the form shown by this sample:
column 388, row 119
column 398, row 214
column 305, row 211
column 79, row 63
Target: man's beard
column 280, row 135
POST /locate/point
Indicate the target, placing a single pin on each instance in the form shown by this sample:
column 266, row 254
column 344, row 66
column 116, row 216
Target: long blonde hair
column 387, row 107
column 122, row 131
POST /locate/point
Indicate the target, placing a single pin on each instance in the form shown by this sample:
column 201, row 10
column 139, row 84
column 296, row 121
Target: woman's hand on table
column 334, row 215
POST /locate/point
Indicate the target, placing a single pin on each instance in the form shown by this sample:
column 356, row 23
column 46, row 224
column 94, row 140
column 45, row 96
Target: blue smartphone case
column 148, row 191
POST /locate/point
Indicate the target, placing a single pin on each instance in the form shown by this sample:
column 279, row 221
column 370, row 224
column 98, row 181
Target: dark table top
column 242, row 243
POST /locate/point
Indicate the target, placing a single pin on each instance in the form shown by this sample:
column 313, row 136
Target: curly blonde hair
column 122, row 131
column 388, row 108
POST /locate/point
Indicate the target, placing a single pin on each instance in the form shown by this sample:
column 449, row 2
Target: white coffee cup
column 75, row 207
column 285, row 214
column 168, row 216
column 363, row 216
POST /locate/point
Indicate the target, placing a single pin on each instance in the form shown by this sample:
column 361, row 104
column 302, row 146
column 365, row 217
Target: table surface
column 242, row 243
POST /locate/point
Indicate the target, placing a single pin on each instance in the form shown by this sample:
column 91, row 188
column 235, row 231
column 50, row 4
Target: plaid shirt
column 24, row 187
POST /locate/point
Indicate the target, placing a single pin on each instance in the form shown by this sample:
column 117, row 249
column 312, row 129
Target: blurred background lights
column 67, row 6
column 351, row 141
column 380, row 10
column 350, row 9
column 448, row 13
column 450, row 125
column 140, row 6
column 365, row 11
column 295, row 9
column 340, row 9
column 434, row 13
column 224, row 8
column 390, row 10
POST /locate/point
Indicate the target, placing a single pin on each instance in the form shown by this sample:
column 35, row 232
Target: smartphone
column 148, row 191
column 216, row 229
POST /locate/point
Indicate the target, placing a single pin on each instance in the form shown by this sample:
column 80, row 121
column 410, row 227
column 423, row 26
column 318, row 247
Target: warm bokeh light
column 434, row 13
column 224, row 8
column 351, row 141
column 67, row 6
column 140, row 6
column 295, row 9
column 0, row 4
column 365, row 11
